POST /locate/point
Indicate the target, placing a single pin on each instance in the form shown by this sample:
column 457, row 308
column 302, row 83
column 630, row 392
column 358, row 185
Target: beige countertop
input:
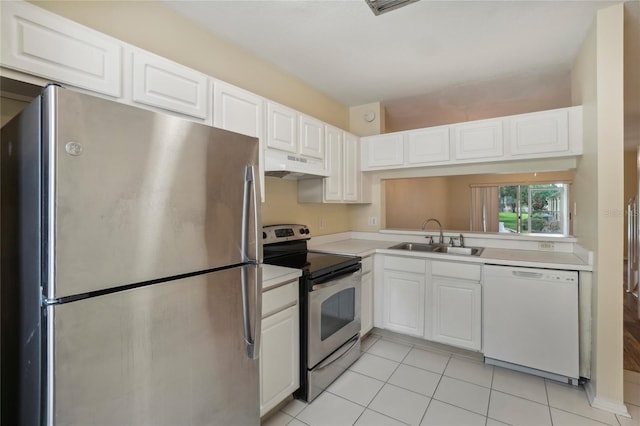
column 495, row 256
column 273, row 275
column 354, row 247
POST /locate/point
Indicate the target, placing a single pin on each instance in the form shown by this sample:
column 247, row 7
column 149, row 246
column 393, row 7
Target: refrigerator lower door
column 173, row 353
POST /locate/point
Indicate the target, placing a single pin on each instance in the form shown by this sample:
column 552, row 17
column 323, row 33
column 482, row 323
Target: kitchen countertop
column 495, row 256
column 273, row 275
column 354, row 247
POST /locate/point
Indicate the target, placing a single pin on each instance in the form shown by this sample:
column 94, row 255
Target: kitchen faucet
column 424, row 225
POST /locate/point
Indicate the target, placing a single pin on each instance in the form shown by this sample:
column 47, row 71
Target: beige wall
column 281, row 206
column 361, row 127
column 408, row 202
column 359, row 214
column 597, row 84
column 630, row 185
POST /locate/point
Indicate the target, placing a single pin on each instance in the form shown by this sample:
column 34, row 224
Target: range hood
column 294, row 167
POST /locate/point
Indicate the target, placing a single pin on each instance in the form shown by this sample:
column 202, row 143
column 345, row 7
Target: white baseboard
column 615, row 407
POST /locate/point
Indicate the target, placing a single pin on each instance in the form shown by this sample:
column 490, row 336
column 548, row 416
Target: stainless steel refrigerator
column 130, row 267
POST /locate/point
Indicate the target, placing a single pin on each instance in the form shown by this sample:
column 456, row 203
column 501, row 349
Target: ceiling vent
column 379, row 7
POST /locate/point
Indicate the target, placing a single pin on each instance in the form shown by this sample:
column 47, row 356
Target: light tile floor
column 401, row 383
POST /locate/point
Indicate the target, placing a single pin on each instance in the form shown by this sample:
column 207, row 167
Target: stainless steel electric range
column 329, row 305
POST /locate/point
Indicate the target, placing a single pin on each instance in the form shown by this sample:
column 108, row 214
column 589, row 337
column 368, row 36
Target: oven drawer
column 278, row 298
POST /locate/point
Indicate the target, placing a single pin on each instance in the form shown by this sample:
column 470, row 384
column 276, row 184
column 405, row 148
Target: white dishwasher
column 530, row 320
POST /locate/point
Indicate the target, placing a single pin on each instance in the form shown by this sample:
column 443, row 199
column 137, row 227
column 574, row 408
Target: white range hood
column 293, row 166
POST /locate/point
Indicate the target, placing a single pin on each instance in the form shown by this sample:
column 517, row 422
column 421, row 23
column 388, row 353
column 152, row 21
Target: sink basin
column 416, row 247
column 467, row 251
column 435, row 248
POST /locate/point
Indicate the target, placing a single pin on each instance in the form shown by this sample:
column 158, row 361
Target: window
column 534, row 209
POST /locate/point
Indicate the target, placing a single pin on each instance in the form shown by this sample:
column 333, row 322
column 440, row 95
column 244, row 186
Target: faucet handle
column 430, row 239
column 451, row 241
column 461, row 240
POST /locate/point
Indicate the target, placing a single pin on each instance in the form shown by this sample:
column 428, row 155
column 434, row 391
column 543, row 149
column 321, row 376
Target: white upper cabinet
column 311, row 136
column 544, row 134
column 478, row 139
column 161, row 83
column 539, row 132
column 334, row 184
column 40, row 43
column 352, row 176
column 382, row 151
column 427, row 146
column 237, row 110
column 345, row 183
column 282, row 128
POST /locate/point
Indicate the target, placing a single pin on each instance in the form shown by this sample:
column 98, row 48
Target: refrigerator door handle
column 251, row 318
column 251, row 185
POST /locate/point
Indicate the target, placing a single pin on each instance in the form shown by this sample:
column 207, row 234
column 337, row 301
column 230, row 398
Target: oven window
column 337, row 311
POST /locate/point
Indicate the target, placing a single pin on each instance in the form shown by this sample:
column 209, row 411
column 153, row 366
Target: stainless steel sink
column 436, row 248
column 416, row 247
column 467, row 251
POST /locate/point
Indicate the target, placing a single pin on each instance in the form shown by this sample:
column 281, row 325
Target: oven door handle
column 339, row 353
column 332, row 279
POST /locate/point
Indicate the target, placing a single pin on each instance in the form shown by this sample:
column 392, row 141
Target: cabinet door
column 479, row 139
column 404, row 302
column 456, row 312
column 366, row 310
column 237, row 110
column 240, row 111
column 428, row 145
column 279, row 358
column 539, row 133
column 384, row 151
column 311, row 137
column 37, row 42
column 334, row 183
column 165, row 84
column 282, row 128
column 351, row 168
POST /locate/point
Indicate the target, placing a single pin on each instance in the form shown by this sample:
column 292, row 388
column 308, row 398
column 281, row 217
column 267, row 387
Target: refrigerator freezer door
column 173, row 353
column 136, row 196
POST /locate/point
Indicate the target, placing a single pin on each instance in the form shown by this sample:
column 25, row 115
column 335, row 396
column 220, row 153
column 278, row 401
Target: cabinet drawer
column 405, row 264
column 367, row 264
column 466, row 271
column 280, row 297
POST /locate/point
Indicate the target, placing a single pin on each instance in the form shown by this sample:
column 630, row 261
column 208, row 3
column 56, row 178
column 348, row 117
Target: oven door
column 334, row 313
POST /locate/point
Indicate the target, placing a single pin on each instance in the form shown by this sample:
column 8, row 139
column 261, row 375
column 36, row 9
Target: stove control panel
column 279, row 233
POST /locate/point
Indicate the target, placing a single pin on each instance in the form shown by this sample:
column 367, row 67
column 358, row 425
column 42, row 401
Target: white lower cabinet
column 432, row 299
column 280, row 346
column 456, row 313
column 456, row 304
column 404, row 293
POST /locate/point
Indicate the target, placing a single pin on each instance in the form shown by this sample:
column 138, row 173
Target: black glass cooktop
column 312, row 263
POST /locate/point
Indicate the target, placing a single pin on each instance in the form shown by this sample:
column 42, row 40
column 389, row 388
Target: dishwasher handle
column 527, row 274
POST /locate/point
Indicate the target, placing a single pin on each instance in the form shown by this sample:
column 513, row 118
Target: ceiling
column 460, row 53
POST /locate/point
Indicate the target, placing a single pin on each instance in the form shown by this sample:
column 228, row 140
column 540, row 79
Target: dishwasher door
column 530, row 318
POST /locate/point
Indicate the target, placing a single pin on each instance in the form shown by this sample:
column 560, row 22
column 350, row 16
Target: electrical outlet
column 373, row 220
column 545, row 245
